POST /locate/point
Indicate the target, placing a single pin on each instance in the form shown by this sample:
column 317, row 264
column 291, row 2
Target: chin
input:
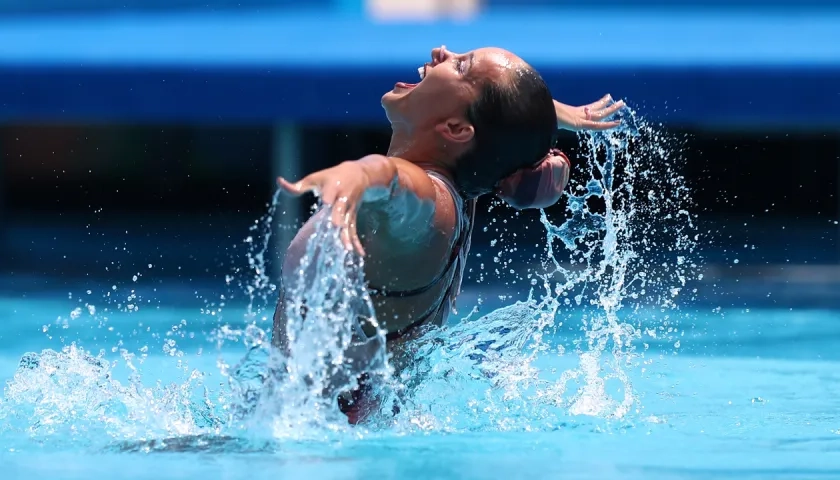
column 387, row 99
column 389, row 104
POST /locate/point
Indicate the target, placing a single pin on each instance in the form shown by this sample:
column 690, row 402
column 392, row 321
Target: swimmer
column 477, row 123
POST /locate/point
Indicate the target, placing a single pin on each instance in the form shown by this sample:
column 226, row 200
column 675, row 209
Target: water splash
column 71, row 396
column 255, row 281
column 295, row 392
column 614, row 275
column 615, row 269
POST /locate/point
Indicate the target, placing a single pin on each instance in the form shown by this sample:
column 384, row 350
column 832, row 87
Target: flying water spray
column 613, row 276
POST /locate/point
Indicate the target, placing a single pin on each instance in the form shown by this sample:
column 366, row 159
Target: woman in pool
column 477, row 123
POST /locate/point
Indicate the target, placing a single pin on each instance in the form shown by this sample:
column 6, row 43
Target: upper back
column 408, row 258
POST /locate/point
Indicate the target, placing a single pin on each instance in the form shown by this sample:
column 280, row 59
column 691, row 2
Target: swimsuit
column 454, row 269
column 356, row 407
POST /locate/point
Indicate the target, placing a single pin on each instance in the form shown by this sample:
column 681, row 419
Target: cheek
column 448, row 101
column 424, row 101
column 441, row 86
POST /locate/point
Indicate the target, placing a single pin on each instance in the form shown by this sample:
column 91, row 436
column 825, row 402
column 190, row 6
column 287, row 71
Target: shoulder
column 430, row 189
column 446, row 205
column 423, row 213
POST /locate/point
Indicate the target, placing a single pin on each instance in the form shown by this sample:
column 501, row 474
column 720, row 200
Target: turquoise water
column 714, row 408
column 605, row 364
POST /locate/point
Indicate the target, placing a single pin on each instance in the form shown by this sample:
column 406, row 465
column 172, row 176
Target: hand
column 343, row 187
column 588, row 117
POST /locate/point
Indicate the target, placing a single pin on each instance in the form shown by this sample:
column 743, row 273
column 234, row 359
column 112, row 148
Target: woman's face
column 449, row 84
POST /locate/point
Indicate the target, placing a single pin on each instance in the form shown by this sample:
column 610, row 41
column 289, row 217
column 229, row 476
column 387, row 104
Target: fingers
column 599, row 104
column 606, row 112
column 295, row 189
column 354, row 235
column 344, row 217
column 339, row 210
column 343, row 210
column 340, row 220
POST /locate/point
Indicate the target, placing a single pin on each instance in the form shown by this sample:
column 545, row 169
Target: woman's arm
column 394, row 191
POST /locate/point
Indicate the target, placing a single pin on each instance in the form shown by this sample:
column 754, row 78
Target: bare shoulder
column 440, row 213
column 446, row 210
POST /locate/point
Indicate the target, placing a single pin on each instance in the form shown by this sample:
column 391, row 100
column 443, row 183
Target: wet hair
column 515, row 126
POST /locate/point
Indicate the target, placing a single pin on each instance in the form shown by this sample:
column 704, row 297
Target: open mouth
column 421, row 71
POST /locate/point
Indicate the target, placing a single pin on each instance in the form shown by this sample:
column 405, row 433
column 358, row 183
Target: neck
column 403, row 144
column 421, row 150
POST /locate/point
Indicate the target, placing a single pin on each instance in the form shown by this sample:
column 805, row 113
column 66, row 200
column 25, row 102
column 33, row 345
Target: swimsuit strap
column 465, row 211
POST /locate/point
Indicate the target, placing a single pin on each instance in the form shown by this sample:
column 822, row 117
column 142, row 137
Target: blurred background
column 145, row 135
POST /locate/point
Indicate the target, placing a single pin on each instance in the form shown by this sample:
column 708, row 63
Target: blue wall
column 734, row 69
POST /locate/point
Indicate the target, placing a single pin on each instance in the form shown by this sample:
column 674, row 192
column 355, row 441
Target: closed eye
column 465, row 64
column 461, row 66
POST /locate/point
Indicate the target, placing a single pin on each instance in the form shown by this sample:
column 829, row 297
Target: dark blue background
column 703, row 68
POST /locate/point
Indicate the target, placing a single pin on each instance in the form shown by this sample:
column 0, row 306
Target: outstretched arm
column 588, row 117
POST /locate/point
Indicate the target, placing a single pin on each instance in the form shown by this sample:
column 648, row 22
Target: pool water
column 607, row 361
column 716, row 407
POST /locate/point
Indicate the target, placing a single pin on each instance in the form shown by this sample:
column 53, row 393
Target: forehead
column 494, row 62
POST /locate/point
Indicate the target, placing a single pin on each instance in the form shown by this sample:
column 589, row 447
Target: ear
column 456, row 130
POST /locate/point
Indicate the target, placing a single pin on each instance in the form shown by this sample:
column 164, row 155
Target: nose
column 439, row 55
